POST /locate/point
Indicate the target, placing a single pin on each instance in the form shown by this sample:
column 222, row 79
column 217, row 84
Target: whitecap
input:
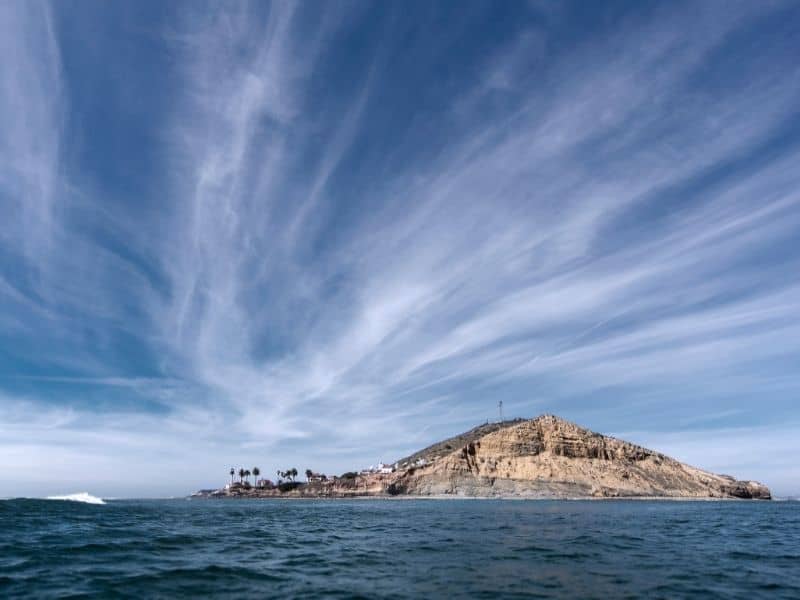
column 80, row 497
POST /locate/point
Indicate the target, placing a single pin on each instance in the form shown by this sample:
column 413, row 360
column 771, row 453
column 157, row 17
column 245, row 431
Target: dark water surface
column 399, row 548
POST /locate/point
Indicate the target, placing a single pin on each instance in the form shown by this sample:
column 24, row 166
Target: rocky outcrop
column 551, row 457
column 546, row 457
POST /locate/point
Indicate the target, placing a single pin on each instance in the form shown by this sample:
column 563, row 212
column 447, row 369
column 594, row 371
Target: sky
column 326, row 234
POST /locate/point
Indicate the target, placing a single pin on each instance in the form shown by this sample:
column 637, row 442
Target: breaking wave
column 80, row 497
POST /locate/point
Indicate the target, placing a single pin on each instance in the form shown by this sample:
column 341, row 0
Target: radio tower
column 500, row 408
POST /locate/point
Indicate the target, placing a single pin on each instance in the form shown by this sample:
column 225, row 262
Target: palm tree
column 241, row 474
column 247, row 476
column 256, row 473
column 294, row 474
column 309, row 473
column 233, row 472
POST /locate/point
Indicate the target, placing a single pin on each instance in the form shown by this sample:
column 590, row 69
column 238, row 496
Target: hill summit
column 551, row 457
column 545, row 457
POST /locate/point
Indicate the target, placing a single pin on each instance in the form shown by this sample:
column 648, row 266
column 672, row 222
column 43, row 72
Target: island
column 544, row 457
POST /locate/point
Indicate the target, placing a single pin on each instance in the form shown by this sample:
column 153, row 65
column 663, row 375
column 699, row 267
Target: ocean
column 399, row 549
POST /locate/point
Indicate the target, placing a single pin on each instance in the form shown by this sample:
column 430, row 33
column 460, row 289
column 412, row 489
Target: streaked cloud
column 347, row 232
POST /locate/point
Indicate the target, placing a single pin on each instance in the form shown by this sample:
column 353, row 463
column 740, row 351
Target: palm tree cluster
column 288, row 474
column 244, row 474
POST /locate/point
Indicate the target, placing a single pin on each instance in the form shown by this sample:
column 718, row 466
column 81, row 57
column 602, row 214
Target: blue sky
column 326, row 234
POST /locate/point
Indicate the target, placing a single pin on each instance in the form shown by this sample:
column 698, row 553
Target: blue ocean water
column 399, row 549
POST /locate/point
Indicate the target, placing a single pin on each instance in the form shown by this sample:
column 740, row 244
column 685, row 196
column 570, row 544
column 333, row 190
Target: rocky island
column 545, row 457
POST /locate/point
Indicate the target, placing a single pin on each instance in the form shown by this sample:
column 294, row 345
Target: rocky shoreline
column 542, row 458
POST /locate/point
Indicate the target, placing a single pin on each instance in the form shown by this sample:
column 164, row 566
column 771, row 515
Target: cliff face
column 551, row 457
column 546, row 457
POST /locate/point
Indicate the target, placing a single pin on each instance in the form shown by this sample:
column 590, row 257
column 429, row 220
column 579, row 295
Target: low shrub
column 288, row 486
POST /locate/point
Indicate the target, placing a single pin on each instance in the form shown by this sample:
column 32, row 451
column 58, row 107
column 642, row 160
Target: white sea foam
column 80, row 497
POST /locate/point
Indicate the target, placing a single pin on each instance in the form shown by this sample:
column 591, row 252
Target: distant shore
column 314, row 494
column 546, row 458
column 409, row 497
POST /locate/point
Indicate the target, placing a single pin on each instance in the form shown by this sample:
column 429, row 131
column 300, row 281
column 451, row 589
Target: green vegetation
column 288, row 474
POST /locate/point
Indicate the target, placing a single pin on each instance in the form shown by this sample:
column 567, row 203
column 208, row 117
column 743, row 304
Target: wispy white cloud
column 561, row 222
column 31, row 119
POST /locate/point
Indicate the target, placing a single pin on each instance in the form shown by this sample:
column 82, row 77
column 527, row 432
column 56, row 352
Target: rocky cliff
column 551, row 457
column 546, row 457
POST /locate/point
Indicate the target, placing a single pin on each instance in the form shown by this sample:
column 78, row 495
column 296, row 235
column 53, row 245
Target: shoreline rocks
column 545, row 457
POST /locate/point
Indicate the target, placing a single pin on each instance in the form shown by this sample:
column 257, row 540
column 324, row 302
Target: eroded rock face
column 551, row 457
column 747, row 490
column 546, row 457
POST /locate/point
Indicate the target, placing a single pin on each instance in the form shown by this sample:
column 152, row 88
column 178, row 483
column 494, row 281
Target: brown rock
column 551, row 457
column 545, row 457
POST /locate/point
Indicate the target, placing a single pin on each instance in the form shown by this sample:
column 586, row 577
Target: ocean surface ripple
column 399, row 549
